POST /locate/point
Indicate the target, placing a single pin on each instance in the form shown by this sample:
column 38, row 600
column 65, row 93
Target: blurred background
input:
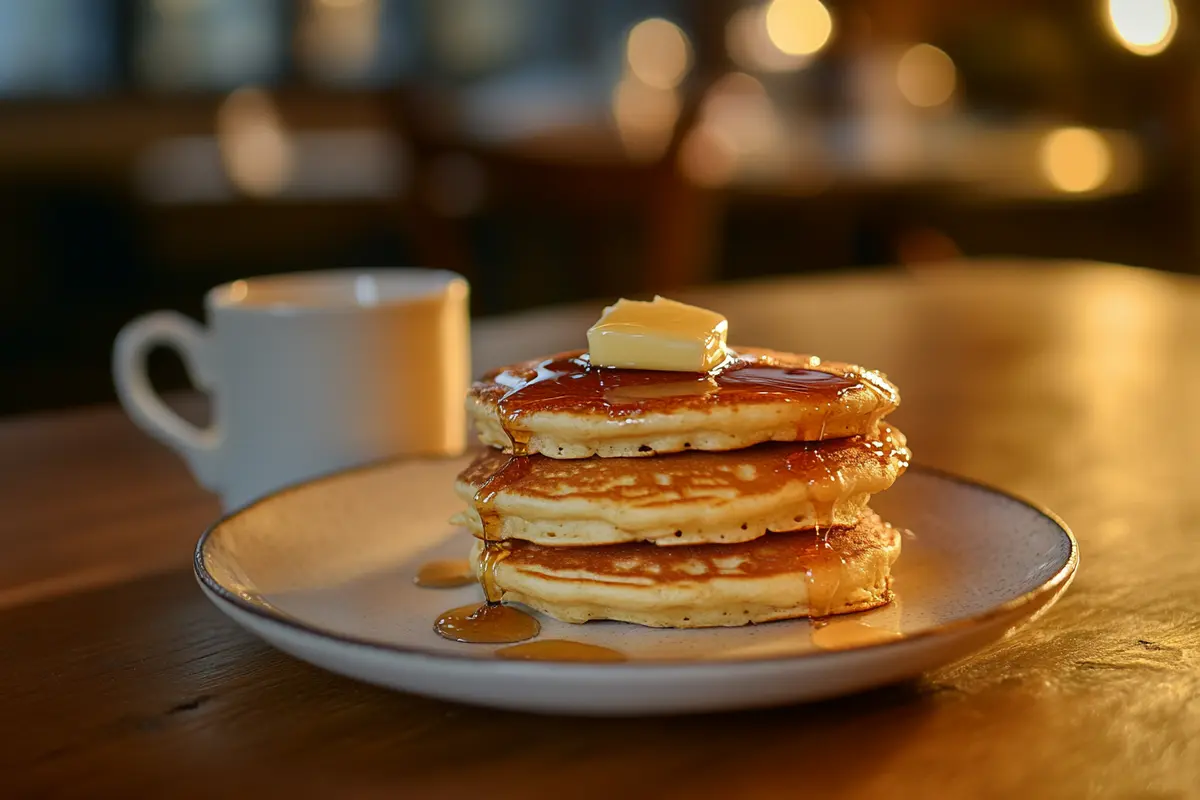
column 552, row 150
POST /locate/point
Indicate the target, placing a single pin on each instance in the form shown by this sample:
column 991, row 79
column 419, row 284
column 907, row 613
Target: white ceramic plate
column 325, row 570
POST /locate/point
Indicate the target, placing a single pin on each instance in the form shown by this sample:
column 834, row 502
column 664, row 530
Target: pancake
column 562, row 407
column 781, row 576
column 686, row 498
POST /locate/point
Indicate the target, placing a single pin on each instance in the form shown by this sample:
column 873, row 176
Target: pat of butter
column 661, row 335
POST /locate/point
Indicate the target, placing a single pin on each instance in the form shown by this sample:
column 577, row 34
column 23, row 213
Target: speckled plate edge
column 1040, row 598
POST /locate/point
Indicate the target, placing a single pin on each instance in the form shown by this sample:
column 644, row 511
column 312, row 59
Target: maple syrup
column 823, row 576
column 847, row 634
column 570, row 382
column 560, row 650
column 445, row 574
column 492, row 622
column 494, row 549
column 824, row 468
column 487, row 623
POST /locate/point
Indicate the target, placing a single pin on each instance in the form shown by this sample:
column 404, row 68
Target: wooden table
column 1075, row 385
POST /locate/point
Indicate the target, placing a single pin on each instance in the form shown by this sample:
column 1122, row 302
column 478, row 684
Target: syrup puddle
column 847, row 634
column 560, row 650
column 445, row 574
column 487, row 624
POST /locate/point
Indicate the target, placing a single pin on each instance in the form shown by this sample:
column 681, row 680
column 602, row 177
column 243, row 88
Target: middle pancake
column 687, row 498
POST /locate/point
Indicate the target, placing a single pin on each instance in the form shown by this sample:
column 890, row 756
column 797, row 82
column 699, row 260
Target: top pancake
column 563, row 407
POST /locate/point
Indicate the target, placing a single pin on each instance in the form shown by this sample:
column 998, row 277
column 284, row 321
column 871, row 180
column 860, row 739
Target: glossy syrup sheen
column 759, row 469
column 847, row 634
column 445, row 574
column 495, row 551
column 492, row 622
column 569, row 382
column 489, row 623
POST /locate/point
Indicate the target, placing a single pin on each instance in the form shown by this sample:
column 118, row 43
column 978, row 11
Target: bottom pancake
column 778, row 576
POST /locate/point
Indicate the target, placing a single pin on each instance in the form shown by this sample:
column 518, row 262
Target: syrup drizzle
column 847, row 634
column 824, row 489
column 840, row 633
column 824, row 576
column 569, row 381
column 816, row 465
column 560, row 650
column 494, row 548
column 493, row 622
column 885, row 447
column 445, row 574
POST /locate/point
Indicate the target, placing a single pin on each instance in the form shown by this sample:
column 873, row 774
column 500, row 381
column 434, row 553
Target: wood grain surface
column 1076, row 385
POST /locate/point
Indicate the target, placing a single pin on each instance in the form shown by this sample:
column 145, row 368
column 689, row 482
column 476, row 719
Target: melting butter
column 658, row 335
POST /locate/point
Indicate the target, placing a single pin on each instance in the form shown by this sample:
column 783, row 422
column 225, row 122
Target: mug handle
column 198, row 446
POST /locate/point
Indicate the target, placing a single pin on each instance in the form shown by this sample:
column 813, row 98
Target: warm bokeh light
column 1144, row 27
column 926, row 76
column 799, row 27
column 658, row 53
column 1075, row 159
column 255, row 146
column 707, row 157
column 645, row 117
column 338, row 39
column 739, row 110
column 750, row 46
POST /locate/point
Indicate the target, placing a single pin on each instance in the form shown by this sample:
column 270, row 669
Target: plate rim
column 1052, row 585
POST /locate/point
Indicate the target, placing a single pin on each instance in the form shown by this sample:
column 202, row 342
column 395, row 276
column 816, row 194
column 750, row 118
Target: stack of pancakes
column 680, row 499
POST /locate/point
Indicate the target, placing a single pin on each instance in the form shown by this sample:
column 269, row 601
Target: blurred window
column 55, row 46
column 209, row 44
column 357, row 42
column 477, row 38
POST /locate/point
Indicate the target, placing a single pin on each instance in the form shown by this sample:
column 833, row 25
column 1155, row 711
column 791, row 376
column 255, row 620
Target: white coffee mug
column 308, row 373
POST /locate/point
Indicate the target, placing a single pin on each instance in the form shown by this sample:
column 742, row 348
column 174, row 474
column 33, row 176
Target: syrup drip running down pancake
column 563, row 407
column 780, row 576
column 686, row 498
